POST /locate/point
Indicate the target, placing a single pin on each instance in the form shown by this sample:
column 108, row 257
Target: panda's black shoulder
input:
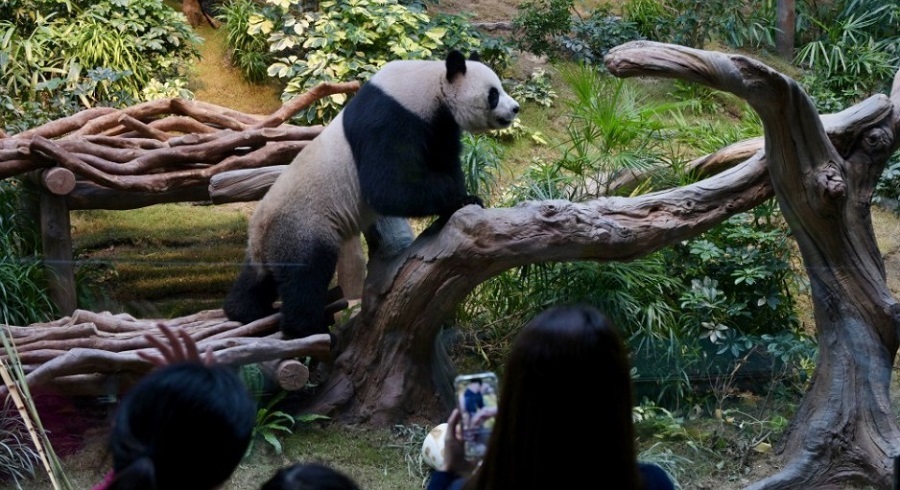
column 372, row 108
column 381, row 129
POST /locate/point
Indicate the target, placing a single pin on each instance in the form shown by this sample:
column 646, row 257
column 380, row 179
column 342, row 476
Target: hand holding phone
column 477, row 401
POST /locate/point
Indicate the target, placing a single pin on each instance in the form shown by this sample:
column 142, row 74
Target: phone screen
column 476, row 396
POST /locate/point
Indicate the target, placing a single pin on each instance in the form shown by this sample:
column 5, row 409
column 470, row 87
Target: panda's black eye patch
column 493, row 97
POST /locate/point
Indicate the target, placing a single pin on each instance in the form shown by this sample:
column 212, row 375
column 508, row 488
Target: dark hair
column 183, row 426
column 566, row 381
column 309, row 476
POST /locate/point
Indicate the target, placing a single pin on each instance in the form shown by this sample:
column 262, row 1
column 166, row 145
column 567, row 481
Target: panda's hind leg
column 303, row 286
column 252, row 296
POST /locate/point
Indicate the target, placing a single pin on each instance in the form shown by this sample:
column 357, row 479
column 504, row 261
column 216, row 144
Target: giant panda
column 394, row 150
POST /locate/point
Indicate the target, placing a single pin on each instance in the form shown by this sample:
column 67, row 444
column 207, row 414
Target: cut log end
column 290, row 374
column 58, row 180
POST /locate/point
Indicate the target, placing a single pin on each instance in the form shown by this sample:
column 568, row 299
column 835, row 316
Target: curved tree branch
column 844, row 430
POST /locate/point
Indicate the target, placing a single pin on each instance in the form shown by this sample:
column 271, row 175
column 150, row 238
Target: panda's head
column 475, row 96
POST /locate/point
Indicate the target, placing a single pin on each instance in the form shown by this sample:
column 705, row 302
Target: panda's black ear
column 474, row 56
column 456, row 65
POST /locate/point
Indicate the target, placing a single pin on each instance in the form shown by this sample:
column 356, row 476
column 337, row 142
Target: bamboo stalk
column 17, row 396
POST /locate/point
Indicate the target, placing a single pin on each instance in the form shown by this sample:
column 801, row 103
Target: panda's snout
column 505, row 118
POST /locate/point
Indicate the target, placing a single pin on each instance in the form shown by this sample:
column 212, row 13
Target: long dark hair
column 184, row 426
column 565, row 407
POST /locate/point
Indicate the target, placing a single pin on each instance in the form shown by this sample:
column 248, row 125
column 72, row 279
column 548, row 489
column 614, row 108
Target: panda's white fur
column 393, row 150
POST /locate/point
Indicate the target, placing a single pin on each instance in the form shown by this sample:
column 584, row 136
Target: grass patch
column 215, row 80
column 160, row 261
column 378, row 459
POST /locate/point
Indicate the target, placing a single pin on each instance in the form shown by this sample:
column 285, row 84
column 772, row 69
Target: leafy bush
column 347, row 40
column 23, row 291
column 537, row 89
column 741, row 279
column 633, row 294
column 611, row 130
column 249, row 52
column 593, row 37
column 496, row 52
column 18, row 457
column 481, row 162
column 539, row 23
column 696, row 22
column 651, row 18
column 887, row 191
column 60, row 56
column 735, row 321
column 850, row 49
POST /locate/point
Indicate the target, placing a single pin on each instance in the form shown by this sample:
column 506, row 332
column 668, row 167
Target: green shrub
column 539, row 23
column 497, row 53
column 481, row 162
column 23, row 286
column 850, row 50
column 594, row 36
column 651, row 18
column 59, row 57
column 249, row 52
column 537, row 89
column 612, row 129
column 145, row 38
column 346, row 40
column 887, row 191
column 740, row 278
column 694, row 23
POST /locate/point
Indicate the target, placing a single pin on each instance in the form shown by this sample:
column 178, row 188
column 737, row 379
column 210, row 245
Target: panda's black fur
column 394, row 150
column 430, row 182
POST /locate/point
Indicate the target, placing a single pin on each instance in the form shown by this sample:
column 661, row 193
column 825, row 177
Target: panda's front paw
column 472, row 200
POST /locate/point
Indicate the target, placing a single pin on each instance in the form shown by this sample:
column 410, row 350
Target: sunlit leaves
column 346, row 40
column 47, row 57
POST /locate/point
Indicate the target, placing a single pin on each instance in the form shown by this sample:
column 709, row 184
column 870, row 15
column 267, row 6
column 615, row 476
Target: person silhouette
column 567, row 379
column 184, row 426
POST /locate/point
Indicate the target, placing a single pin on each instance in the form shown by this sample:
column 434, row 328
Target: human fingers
column 152, row 359
column 176, row 347
column 189, row 347
column 453, row 426
column 163, row 348
column 208, row 357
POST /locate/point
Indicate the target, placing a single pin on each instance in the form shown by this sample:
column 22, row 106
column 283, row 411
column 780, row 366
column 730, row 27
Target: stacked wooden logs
column 123, row 158
column 78, row 354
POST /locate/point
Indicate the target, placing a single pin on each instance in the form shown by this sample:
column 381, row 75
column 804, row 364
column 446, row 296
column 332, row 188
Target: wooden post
column 56, row 239
column 784, row 39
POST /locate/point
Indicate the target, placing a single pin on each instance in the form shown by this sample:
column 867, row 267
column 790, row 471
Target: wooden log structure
column 80, row 354
column 155, row 152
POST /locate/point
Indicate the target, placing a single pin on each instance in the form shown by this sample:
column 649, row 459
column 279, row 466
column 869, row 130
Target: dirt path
column 216, row 81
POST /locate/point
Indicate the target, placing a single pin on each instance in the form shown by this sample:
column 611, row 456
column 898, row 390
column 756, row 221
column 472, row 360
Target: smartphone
column 476, row 398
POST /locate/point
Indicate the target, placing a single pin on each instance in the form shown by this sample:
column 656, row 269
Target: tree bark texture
column 844, row 431
column 786, row 13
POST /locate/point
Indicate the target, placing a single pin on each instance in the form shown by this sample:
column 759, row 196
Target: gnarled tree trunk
column 390, row 368
column 844, row 430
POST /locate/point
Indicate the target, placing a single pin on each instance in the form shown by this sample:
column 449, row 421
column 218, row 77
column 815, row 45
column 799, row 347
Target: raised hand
column 180, row 348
